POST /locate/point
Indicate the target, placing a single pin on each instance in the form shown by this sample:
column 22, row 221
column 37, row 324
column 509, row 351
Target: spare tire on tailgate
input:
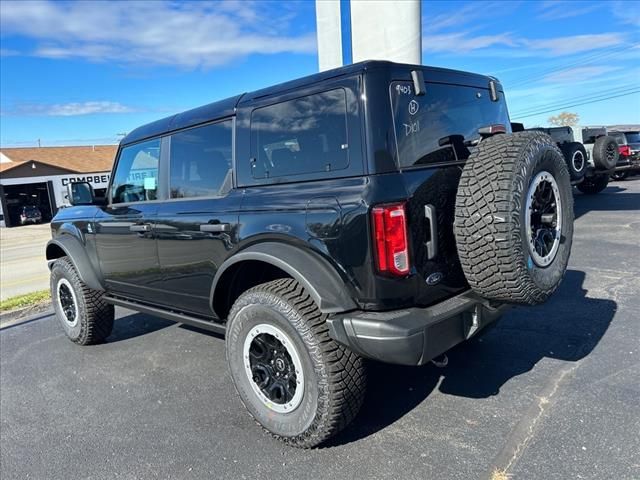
column 514, row 218
column 605, row 153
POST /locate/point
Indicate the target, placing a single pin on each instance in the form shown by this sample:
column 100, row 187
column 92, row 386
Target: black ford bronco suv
column 377, row 210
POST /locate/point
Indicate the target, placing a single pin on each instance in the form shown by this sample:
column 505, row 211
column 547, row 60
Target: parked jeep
column 375, row 211
column 629, row 149
column 591, row 154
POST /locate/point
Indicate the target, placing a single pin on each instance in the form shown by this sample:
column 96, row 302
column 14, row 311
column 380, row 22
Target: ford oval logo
column 434, row 278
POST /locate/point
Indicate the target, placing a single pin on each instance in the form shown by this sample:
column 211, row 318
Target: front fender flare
column 73, row 248
column 314, row 273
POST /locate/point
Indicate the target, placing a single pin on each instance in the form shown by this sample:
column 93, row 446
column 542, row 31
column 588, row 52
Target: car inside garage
column 23, row 200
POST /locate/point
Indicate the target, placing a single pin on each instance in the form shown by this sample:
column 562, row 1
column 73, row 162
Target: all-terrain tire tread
column 99, row 315
column 342, row 373
column 487, row 220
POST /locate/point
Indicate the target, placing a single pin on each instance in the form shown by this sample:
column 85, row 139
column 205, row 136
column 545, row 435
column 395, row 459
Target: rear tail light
column 624, row 150
column 390, row 239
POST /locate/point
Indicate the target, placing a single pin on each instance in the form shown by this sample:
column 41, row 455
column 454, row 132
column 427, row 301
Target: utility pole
column 356, row 30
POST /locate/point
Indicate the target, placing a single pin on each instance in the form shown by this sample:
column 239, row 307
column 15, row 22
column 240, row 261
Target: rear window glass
column 200, row 161
column 632, row 137
column 300, row 136
column 442, row 125
column 620, row 138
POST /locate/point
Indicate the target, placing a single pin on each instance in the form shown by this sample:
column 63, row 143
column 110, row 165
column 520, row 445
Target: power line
column 577, row 105
column 591, row 96
column 583, row 61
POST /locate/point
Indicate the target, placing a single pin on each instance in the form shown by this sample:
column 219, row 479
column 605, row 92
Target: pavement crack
column 526, row 428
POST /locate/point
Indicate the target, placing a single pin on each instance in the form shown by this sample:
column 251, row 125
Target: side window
column 136, row 177
column 200, row 161
column 300, row 136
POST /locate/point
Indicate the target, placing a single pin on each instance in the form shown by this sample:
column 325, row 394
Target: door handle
column 215, row 227
column 144, row 227
column 432, row 243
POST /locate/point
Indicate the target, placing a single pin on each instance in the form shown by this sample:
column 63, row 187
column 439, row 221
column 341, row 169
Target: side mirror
column 80, row 193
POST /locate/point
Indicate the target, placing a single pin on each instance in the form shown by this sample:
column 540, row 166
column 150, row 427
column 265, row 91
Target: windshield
column 441, row 125
column 30, row 210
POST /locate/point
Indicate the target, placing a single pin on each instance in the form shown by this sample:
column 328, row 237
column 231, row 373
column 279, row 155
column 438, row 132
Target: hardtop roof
column 227, row 107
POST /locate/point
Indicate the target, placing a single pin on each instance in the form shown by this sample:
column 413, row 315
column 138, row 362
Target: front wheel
column 85, row 317
column 300, row 385
column 594, row 184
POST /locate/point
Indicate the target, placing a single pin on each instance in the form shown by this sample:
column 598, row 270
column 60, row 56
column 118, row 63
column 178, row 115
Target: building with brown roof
column 38, row 176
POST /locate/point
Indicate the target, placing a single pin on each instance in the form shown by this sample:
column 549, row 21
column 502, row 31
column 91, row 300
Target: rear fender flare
column 314, row 273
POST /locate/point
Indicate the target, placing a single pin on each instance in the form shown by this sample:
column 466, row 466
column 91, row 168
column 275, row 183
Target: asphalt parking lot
column 552, row 392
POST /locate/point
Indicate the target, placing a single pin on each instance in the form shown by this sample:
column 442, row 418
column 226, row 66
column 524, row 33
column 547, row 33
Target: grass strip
column 25, row 300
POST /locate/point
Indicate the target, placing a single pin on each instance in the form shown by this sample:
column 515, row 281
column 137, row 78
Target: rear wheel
column 623, row 175
column 85, row 317
column 594, row 184
column 514, row 218
column 300, row 385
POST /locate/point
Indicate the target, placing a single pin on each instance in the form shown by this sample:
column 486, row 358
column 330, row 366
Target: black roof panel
column 226, row 107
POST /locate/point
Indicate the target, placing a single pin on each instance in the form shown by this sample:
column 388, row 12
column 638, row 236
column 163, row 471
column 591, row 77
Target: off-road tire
column 94, row 316
column 605, row 153
column 594, row 184
column 490, row 225
column 576, row 157
column 334, row 377
column 618, row 176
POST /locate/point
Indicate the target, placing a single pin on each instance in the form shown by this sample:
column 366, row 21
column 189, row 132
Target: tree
column 565, row 119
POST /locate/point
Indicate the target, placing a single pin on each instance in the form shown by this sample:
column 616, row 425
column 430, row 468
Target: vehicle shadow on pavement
column 566, row 328
column 136, row 325
column 611, row 199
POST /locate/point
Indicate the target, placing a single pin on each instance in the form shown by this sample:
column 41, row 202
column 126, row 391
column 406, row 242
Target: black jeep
column 377, row 211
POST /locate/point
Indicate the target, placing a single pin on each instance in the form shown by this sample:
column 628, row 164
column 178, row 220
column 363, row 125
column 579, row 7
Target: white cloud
column 189, row 35
column 579, row 74
column 626, row 12
column 69, row 109
column 463, row 42
column 562, row 9
column 469, row 14
column 575, row 43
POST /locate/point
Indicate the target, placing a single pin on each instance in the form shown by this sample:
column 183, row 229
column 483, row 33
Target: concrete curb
column 25, row 314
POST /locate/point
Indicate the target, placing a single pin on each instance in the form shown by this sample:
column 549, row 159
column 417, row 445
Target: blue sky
column 83, row 72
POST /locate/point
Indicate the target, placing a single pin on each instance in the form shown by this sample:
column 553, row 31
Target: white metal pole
column 386, row 30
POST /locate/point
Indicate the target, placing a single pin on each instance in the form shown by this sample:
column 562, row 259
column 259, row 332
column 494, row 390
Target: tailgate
column 435, row 133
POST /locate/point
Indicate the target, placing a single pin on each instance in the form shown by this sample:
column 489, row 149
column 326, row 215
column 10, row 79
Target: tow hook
column 440, row 361
column 472, row 322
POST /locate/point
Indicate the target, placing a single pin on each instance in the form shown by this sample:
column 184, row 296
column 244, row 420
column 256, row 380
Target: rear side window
column 136, row 177
column 300, row 136
column 441, row 125
column 200, row 161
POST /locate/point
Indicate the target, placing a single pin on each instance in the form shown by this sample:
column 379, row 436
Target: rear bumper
column 628, row 163
column 416, row 335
